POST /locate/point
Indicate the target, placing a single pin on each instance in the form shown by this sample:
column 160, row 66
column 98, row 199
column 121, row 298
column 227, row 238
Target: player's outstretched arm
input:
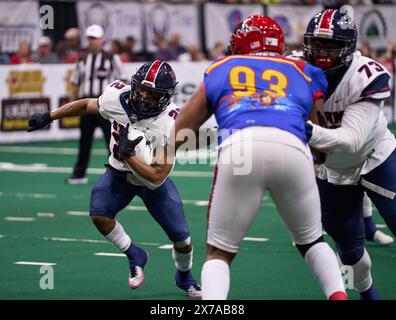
column 76, row 108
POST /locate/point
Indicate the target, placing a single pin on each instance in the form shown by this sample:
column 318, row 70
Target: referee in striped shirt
column 93, row 72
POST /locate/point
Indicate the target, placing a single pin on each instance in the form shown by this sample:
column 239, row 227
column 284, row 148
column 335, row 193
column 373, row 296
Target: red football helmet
column 257, row 33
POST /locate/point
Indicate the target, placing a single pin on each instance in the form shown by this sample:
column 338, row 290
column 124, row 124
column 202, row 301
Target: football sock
column 215, row 279
column 122, row 241
column 183, row 261
column 323, row 262
column 370, row 294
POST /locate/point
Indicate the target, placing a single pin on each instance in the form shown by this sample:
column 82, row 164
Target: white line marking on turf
column 21, row 219
column 45, row 214
column 108, row 254
column 31, row 263
column 256, row 239
column 49, row 150
column 136, row 208
column 8, row 166
column 21, row 195
column 182, row 155
column 74, row 240
column 198, row 203
column 166, row 246
column 77, row 213
column 149, row 244
column 380, row 226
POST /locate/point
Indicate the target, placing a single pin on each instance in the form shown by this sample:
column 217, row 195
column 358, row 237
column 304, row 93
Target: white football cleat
column 136, row 277
column 382, row 239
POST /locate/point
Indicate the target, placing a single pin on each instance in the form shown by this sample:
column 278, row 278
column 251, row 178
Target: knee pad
column 183, row 243
column 303, row 248
column 350, row 256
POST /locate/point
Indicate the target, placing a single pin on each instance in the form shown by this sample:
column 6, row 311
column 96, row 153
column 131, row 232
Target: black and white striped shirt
column 94, row 72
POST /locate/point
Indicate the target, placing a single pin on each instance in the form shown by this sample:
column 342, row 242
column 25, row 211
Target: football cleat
column 76, row 180
column 136, row 275
column 186, row 282
column 382, row 239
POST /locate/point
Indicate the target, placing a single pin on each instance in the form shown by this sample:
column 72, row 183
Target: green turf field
column 46, row 221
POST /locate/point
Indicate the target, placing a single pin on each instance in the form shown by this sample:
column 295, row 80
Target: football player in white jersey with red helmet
column 146, row 106
column 361, row 156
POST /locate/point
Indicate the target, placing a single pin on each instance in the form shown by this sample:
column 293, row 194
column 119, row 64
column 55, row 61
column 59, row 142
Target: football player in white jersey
column 145, row 104
column 360, row 149
column 372, row 233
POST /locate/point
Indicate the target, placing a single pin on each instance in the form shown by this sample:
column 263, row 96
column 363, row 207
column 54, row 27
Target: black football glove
column 126, row 147
column 39, row 121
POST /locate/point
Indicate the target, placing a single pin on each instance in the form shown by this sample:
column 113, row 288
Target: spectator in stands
column 129, row 46
column 193, row 54
column 44, row 53
column 23, row 54
column 165, row 52
column 116, row 47
column 69, row 49
column 175, row 42
column 4, row 58
column 218, row 50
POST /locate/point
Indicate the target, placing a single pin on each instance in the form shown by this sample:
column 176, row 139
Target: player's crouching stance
column 146, row 105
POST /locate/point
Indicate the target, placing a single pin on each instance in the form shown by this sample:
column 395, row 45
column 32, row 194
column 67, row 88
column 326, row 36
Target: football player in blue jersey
column 146, row 105
column 361, row 150
column 261, row 101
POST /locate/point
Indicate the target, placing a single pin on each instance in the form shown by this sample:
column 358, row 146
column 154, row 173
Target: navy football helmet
column 152, row 88
column 330, row 40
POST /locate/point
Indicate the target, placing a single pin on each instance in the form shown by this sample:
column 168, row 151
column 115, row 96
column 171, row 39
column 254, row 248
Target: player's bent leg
column 182, row 254
column 215, row 274
column 109, row 196
column 297, row 200
column 166, row 207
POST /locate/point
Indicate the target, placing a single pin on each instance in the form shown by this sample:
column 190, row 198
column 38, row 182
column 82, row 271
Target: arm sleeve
column 358, row 121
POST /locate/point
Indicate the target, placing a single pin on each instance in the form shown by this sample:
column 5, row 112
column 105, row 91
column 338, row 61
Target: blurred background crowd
column 66, row 47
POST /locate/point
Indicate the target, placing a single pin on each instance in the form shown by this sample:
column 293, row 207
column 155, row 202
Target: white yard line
column 74, row 240
column 20, row 219
column 77, row 213
column 166, row 246
column 31, row 263
column 182, row 155
column 12, row 167
column 256, row 239
column 109, row 254
column 45, row 214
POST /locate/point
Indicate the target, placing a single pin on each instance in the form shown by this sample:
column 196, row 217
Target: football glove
column 38, row 121
column 126, row 147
